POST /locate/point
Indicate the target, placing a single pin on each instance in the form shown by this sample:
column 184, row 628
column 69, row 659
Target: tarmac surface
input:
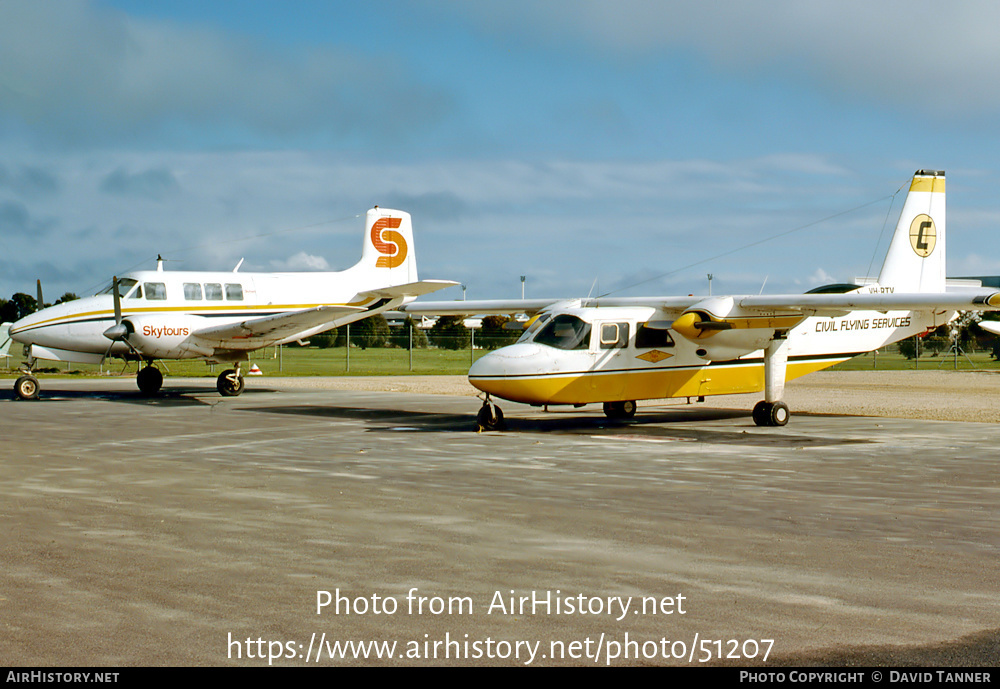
column 192, row 529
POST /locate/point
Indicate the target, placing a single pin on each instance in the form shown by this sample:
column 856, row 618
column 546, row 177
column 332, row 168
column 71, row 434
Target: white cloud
column 301, row 261
column 75, row 71
column 915, row 54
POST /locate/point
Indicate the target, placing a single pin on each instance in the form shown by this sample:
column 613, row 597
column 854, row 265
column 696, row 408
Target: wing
column 801, row 305
column 533, row 306
column 838, row 304
column 271, row 329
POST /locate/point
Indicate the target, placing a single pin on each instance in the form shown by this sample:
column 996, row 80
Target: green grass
column 893, row 361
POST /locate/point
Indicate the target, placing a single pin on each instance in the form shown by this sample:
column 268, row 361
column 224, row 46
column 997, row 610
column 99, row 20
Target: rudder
column 915, row 261
column 388, row 250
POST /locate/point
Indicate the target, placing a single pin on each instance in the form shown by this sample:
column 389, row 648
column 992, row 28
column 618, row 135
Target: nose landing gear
column 490, row 417
column 26, row 387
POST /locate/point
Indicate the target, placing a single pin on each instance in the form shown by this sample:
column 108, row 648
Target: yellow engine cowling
column 723, row 331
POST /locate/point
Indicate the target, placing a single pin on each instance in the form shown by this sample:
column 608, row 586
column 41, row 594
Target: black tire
column 761, row 413
column 26, row 388
column 149, row 380
column 779, row 414
column 620, row 410
column 490, row 418
column 229, row 384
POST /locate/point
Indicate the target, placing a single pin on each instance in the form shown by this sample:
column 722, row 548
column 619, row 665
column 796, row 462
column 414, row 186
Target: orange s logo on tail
column 385, row 240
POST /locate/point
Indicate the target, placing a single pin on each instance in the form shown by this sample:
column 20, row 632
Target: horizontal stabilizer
column 410, row 289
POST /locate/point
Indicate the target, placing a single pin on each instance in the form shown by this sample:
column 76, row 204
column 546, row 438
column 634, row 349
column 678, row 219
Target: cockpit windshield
column 565, row 332
column 534, row 327
column 125, row 286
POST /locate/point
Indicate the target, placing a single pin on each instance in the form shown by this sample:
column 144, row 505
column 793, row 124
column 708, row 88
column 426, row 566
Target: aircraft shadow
column 681, row 425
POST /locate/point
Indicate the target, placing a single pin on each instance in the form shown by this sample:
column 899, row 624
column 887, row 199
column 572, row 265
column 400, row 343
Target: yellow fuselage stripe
column 593, row 387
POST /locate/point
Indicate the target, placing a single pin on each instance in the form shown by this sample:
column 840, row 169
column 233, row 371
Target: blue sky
column 584, row 144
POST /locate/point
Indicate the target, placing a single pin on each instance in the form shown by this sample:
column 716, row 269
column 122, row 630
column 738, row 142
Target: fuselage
column 165, row 308
column 591, row 355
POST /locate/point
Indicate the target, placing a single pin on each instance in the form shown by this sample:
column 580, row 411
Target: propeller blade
column 118, row 300
column 41, row 301
column 118, row 331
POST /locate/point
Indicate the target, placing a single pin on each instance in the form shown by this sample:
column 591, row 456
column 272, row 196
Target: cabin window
column 648, row 338
column 614, row 335
column 213, row 291
column 192, row 291
column 234, row 292
column 156, row 290
column 565, row 332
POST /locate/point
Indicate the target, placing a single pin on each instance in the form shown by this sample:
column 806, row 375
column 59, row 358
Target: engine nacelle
column 165, row 336
column 724, row 331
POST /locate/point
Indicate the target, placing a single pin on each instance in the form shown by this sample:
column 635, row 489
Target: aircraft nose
column 512, row 360
column 508, row 372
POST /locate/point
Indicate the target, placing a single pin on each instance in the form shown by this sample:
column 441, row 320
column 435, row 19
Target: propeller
column 41, row 301
column 120, row 331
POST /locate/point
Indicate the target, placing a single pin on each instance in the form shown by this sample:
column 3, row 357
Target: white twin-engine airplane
column 222, row 317
column 618, row 350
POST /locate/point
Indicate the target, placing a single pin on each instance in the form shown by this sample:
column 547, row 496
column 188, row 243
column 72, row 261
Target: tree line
column 21, row 304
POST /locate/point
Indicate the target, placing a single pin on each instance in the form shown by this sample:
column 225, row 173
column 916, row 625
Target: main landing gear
column 771, row 411
column 620, row 410
column 230, row 382
column 149, row 379
column 490, row 417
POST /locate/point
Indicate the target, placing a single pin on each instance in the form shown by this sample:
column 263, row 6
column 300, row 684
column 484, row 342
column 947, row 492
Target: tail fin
column 916, row 258
column 388, row 257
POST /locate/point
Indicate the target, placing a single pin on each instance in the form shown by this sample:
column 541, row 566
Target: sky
column 628, row 147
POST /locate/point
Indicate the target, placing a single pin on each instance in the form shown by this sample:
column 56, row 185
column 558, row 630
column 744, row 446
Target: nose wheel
column 490, row 417
column 26, row 388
